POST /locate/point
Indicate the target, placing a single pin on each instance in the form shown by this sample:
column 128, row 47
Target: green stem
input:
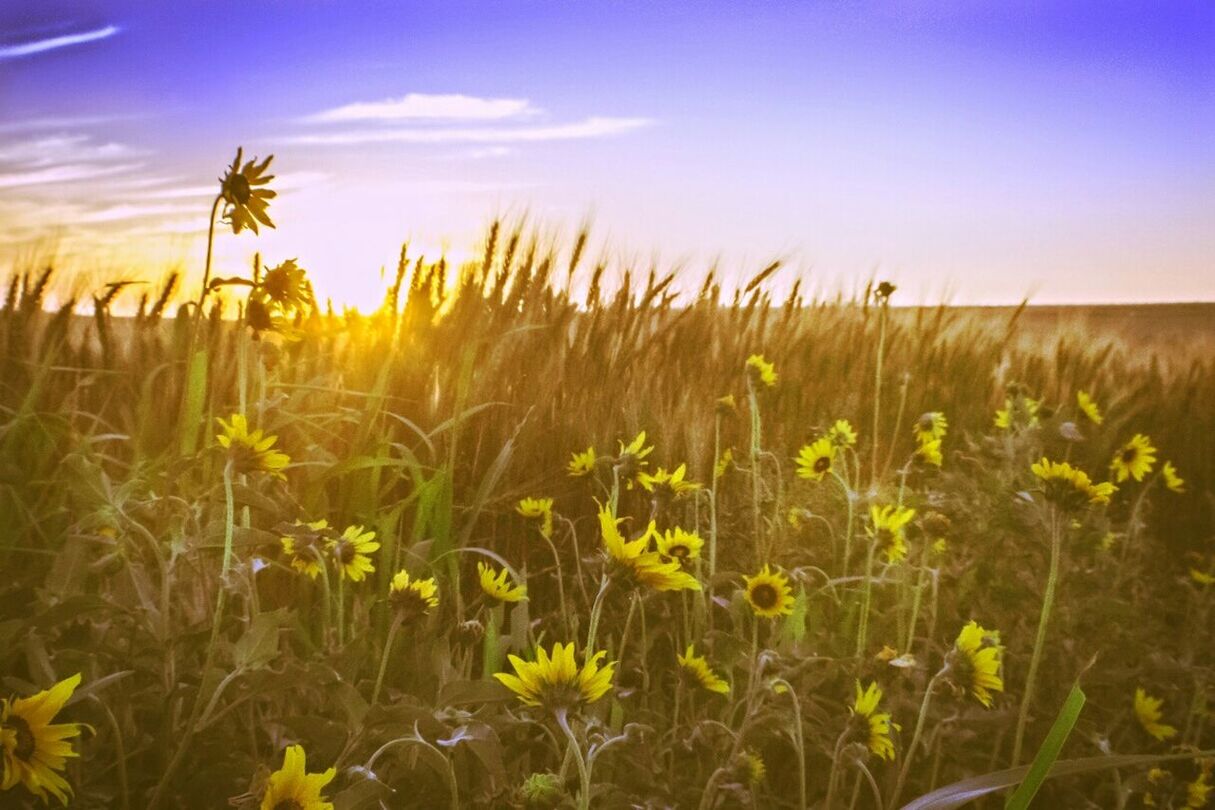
column 848, row 531
column 379, row 678
column 1048, row 601
column 584, row 775
column 756, row 432
column 877, row 393
column 596, row 610
column 909, row 754
column 862, row 630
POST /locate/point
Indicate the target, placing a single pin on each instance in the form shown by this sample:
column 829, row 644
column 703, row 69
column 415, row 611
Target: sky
column 975, row 153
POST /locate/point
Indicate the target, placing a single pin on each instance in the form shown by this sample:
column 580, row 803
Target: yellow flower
column 878, row 723
column 1021, row 412
column 34, row 749
column 1147, row 712
column 680, row 544
column 929, row 452
column 667, row 484
column 815, row 460
column 762, row 369
column 291, row 786
column 723, row 463
column 412, row 597
column 1089, row 408
column 303, row 546
column 930, row 426
column 583, row 463
column 1069, row 486
column 636, row 447
column 541, row 509
column 1135, row 459
column 755, row 770
column 841, row 433
column 645, row 567
column 889, row 529
column 698, row 668
column 497, row 585
column 975, row 662
column 250, row 452
column 631, row 460
column 555, row 681
column 769, row 594
column 350, row 552
column 286, row 286
column 1198, row 792
column 1202, row 577
column 726, row 405
column 244, row 203
column 1171, row 479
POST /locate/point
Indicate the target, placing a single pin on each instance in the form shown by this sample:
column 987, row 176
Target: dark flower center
column 679, row 551
column 822, row 464
column 764, row 596
column 288, row 804
column 238, row 189
column 1129, row 455
column 26, row 742
column 345, row 552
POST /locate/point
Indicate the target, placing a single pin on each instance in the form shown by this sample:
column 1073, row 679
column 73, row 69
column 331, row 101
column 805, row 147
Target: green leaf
column 1049, row 752
column 196, row 394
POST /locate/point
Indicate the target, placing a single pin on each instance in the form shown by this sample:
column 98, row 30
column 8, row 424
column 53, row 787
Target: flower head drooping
column 698, row 669
column 1198, row 792
column 33, row 750
column 1173, row 481
column 931, row 425
column 538, row 509
column 583, row 463
column 768, row 593
column 303, row 544
column 888, row 528
column 412, row 597
column 1147, row 712
column 1135, row 459
column 555, row 681
column 876, row 729
column 245, row 202
column 351, row 553
column 1089, row 408
column 842, row 434
column 631, row 460
column 723, row 464
column 250, row 451
column 1068, row 486
column 754, row 769
column 929, row 452
column 814, row 460
column 1020, row 412
column 285, row 286
column 497, row 584
column 665, row 485
column 645, row 567
column 680, row 545
column 291, row 787
column 975, row 661
column 761, row 370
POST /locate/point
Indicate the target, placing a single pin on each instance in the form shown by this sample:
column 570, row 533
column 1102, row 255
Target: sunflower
column 768, row 593
column 1089, row 408
column 701, row 673
column 412, row 597
column 291, row 787
column 815, row 460
column 877, row 724
column 286, row 286
column 1198, row 792
column 726, row 405
column 889, row 529
column 1020, row 412
column 351, row 550
column 975, row 661
column 929, row 452
column 645, row 567
column 667, row 485
column 244, row 203
column 631, row 460
column 1069, row 486
column 753, row 765
column 497, row 585
column 1135, row 459
column 1147, row 712
column 679, row 544
column 761, row 369
column 541, row 509
column 34, row 749
column 555, row 681
column 302, row 544
column 929, row 426
column 723, row 463
column 583, row 463
column 250, row 451
column 841, row 433
column 1172, row 480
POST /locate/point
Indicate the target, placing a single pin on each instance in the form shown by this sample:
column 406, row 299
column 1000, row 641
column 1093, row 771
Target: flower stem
column 584, row 775
column 909, row 754
column 862, row 629
column 756, row 433
column 596, row 610
column 379, row 678
column 1048, row 601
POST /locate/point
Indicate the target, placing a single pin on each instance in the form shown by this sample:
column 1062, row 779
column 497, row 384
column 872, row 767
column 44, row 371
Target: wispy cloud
column 594, row 127
column 66, row 173
column 17, row 50
column 428, row 107
column 58, row 149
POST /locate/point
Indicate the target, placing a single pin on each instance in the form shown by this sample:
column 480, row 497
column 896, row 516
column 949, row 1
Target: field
column 764, row 606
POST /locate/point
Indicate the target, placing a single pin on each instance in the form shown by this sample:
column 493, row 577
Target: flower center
column 288, row 804
column 679, row 551
column 1129, row 454
column 238, row 188
column 26, row 742
column 345, row 552
column 764, row 596
column 822, row 464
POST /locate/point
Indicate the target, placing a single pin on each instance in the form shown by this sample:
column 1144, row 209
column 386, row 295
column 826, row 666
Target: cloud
column 58, row 149
column 20, row 49
column 116, row 213
column 66, row 173
column 594, row 127
column 425, row 107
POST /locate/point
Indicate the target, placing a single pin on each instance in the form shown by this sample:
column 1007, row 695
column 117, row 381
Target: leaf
column 1049, row 752
column 259, row 645
column 196, row 393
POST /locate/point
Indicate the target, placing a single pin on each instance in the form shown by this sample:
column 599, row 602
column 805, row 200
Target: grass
column 124, row 525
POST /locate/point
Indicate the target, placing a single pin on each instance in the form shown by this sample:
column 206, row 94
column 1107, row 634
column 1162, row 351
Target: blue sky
column 976, row 152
